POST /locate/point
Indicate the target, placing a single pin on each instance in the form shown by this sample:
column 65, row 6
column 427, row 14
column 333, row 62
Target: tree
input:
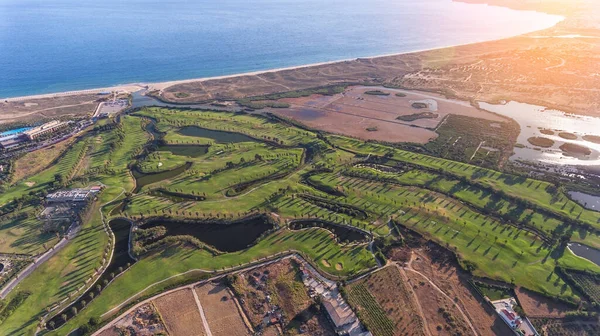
column 74, row 310
column 63, row 316
column 59, row 179
column 51, row 324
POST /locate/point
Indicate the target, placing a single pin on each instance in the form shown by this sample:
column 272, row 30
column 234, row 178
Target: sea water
column 62, row 45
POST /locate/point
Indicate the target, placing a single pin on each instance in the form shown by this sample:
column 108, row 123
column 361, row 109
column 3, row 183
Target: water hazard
column 217, row 136
column 343, row 233
column 226, row 237
column 586, row 252
column 588, row 201
column 142, row 179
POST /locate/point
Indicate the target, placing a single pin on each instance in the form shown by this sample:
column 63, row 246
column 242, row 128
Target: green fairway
column 218, row 167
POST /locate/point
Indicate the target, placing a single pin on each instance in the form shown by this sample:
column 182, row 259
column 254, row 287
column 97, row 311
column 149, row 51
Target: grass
column 316, row 244
column 34, row 162
column 274, row 174
column 58, row 277
column 540, row 193
column 24, row 235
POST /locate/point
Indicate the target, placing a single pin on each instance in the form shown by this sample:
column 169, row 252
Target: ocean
column 62, row 45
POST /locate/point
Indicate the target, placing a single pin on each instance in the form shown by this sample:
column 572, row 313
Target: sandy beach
column 133, row 87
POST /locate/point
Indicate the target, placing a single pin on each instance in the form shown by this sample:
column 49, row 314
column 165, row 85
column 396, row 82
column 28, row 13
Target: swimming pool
column 15, row 131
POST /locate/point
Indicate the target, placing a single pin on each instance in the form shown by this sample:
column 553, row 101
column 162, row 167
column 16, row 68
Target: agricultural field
column 562, row 327
column 179, row 313
column 441, row 269
column 208, row 192
column 222, row 313
column 392, row 298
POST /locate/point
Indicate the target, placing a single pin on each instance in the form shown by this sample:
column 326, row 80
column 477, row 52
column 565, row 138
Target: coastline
column 153, row 86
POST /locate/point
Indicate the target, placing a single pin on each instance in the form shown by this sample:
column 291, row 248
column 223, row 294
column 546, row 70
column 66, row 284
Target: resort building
column 69, row 196
column 46, row 128
column 521, row 326
column 10, row 141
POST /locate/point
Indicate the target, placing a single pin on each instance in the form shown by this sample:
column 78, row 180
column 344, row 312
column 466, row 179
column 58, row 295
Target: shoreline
column 152, row 86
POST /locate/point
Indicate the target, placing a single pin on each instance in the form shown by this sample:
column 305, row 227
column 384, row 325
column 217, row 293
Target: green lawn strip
column 537, row 192
column 43, row 180
column 498, row 251
column 448, row 221
column 24, row 235
column 58, row 277
column 316, row 243
column 481, row 199
column 256, row 127
column 134, row 137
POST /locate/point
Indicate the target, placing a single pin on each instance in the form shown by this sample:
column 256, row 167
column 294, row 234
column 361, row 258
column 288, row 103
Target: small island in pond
column 541, row 142
column 567, row 135
column 575, row 150
column 592, row 138
column 417, row 116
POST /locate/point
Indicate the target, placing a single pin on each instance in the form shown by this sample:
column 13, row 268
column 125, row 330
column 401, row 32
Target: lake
column 226, row 237
column 62, row 45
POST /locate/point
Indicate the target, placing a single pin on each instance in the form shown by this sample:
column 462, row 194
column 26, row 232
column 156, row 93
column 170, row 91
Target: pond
column 118, row 263
column 192, row 151
column 217, row 136
column 564, row 129
column 588, row 201
column 142, row 179
column 586, row 252
column 343, row 233
column 225, row 237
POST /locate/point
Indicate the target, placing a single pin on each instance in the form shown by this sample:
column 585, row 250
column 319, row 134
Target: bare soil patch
column 443, row 271
column 547, row 132
column 143, row 321
column 268, row 291
column 440, row 314
column 393, row 295
column 51, row 107
column 180, row 313
column 536, row 305
column 221, row 311
column 357, row 113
